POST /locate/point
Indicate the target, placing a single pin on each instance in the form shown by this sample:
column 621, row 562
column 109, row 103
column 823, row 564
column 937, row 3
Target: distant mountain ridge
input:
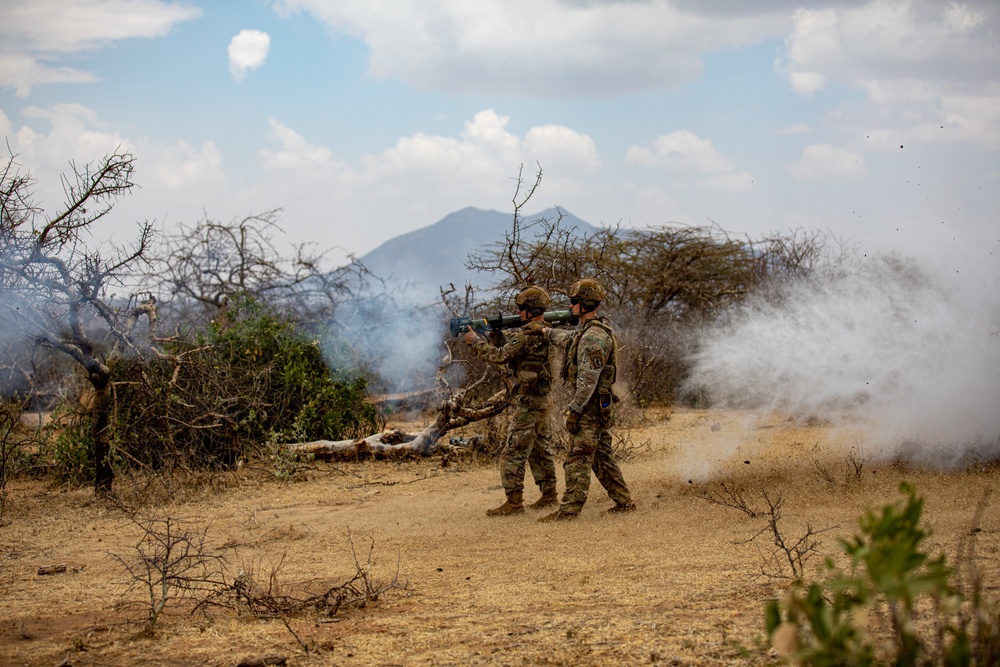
column 418, row 263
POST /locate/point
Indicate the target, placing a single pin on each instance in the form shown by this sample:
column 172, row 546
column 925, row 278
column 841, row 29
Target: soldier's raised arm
column 493, row 354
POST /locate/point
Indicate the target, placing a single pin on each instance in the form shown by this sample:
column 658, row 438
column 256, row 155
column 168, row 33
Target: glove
column 535, row 328
column 572, row 422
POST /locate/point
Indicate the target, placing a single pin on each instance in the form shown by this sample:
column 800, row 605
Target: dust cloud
column 901, row 349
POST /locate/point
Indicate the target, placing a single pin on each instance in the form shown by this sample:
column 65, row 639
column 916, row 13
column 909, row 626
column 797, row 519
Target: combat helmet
column 589, row 292
column 533, row 299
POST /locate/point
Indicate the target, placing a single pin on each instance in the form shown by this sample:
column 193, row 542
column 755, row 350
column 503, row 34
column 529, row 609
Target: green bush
column 66, row 453
column 297, row 394
column 824, row 623
column 250, row 379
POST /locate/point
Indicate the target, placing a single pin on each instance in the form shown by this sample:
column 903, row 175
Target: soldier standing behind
column 526, row 351
column 589, row 370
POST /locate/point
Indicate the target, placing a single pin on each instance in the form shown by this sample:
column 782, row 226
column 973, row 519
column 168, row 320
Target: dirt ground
column 678, row 582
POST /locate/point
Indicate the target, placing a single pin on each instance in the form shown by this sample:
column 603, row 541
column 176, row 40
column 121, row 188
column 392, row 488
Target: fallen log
column 52, row 569
column 453, row 413
column 388, row 443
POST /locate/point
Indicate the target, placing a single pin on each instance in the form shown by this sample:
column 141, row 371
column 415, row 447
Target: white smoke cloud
column 400, row 343
column 911, row 356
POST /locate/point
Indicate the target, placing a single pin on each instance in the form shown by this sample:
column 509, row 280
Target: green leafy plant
column 66, row 452
column 835, row 621
column 252, row 378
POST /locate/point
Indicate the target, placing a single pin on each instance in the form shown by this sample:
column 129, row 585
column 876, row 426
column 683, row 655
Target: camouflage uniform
column 529, row 435
column 589, row 368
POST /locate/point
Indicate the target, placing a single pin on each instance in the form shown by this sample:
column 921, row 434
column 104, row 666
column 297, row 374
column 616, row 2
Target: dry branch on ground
column 455, row 410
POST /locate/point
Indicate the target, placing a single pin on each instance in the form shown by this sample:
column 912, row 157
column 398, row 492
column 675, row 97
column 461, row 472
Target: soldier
column 526, row 351
column 589, row 370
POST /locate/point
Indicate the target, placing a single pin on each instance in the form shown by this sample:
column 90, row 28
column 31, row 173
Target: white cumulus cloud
column 422, row 171
column 681, row 150
column 917, row 60
column 183, row 168
column 888, row 39
column 547, row 48
column 561, row 150
column 247, row 51
column 176, row 179
column 797, row 128
column 35, row 35
column 76, row 135
column 686, row 153
column 733, row 181
column 300, row 164
column 822, row 162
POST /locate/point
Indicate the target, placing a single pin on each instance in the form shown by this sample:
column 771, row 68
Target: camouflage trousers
column 529, row 439
column 590, row 449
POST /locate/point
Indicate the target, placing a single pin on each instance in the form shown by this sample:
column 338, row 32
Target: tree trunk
column 381, row 445
column 104, row 474
column 451, row 414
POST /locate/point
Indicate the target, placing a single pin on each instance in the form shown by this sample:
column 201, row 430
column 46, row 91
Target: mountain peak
column 418, row 263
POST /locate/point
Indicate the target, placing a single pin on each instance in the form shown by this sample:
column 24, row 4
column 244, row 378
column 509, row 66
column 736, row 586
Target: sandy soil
column 678, row 582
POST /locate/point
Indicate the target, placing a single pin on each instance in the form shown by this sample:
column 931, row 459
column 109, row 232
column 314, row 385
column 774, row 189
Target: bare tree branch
column 56, row 290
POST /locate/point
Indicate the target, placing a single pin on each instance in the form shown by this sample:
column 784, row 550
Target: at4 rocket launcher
column 493, row 322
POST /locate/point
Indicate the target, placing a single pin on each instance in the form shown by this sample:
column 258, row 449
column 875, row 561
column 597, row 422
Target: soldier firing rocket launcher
column 496, row 322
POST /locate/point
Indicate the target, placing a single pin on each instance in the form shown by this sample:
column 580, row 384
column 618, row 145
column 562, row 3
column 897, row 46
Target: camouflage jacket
column 591, row 359
column 526, row 353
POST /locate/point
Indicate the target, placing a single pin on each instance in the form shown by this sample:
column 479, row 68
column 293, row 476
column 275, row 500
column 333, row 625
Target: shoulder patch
column 596, row 358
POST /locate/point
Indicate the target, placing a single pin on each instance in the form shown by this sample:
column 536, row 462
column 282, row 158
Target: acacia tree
column 56, row 290
column 663, row 282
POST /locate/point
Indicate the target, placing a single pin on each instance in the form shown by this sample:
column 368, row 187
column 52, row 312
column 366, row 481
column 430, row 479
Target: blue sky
column 364, row 119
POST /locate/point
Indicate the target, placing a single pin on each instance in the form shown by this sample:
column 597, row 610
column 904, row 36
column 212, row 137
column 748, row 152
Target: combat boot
column 558, row 516
column 621, row 508
column 514, row 505
column 548, row 499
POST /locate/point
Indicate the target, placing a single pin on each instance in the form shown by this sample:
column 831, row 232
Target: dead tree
column 455, row 409
column 532, row 252
column 203, row 267
column 56, row 290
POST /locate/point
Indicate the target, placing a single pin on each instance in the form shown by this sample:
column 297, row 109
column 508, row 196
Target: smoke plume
column 401, row 345
column 909, row 355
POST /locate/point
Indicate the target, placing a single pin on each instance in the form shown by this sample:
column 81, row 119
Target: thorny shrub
column 263, row 594
column 250, row 379
column 171, row 561
column 66, row 450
